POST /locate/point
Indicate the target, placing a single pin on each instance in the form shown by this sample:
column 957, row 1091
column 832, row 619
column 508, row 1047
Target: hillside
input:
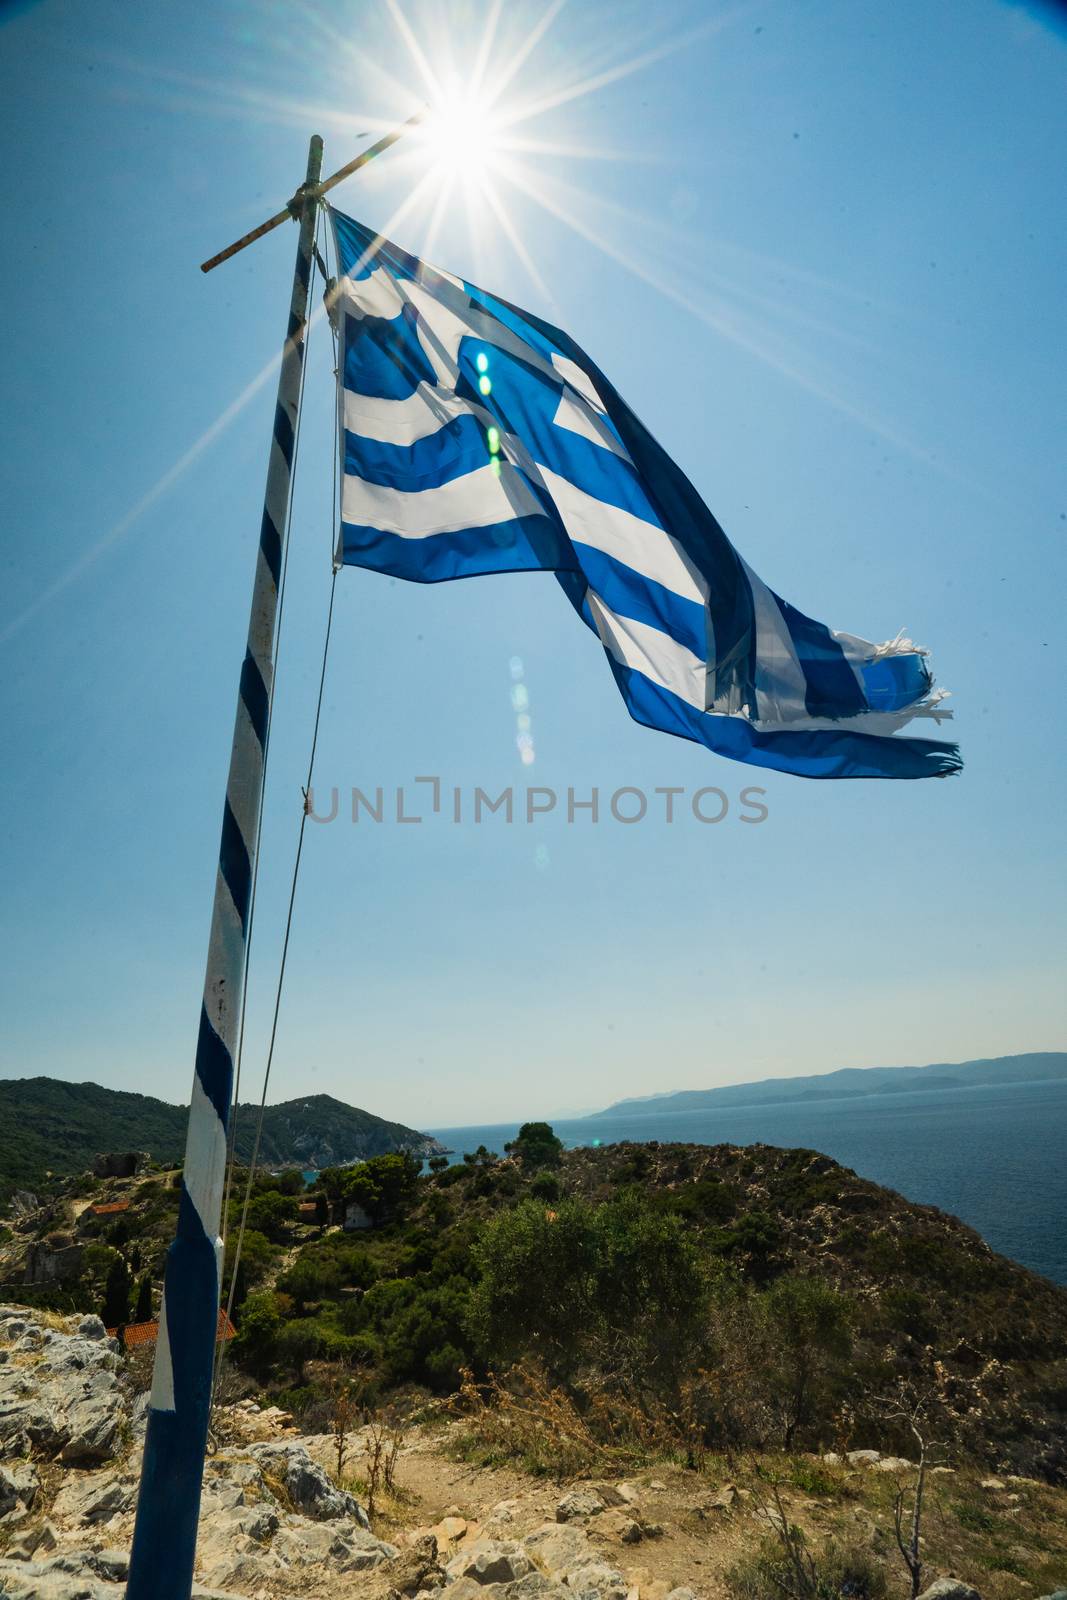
column 769, row 1298
column 850, row 1082
column 282, row 1518
column 48, row 1125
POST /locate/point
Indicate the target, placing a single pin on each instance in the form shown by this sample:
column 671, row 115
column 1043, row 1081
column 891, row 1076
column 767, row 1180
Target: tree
column 271, row 1213
column 261, row 1320
column 438, row 1163
column 383, row 1184
column 810, row 1325
column 116, row 1307
column 913, row 1409
column 536, row 1146
column 619, row 1283
column 312, row 1277
column 143, row 1309
column 322, row 1210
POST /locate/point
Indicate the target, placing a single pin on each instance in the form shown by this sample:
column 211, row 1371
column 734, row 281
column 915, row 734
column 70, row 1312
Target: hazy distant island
column 851, row 1082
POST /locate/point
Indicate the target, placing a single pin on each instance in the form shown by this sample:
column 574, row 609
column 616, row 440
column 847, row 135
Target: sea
column 995, row 1157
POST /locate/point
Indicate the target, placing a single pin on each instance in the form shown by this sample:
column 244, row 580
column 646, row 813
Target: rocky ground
column 276, row 1526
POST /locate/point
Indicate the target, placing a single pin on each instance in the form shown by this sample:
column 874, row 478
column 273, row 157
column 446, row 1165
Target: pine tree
column 143, row 1311
column 116, row 1307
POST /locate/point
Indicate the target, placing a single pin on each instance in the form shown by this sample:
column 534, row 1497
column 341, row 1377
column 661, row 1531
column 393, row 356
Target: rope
column 306, row 792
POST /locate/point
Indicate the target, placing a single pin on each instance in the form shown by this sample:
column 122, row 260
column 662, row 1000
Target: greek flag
column 476, row 438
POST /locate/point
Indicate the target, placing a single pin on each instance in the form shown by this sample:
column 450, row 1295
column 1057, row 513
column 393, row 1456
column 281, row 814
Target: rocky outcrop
column 59, row 1392
column 44, row 1264
column 306, row 1484
column 120, row 1163
column 270, row 1515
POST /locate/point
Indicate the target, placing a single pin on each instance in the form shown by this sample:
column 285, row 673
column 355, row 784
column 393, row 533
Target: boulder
column 725, row 1500
column 863, row 1458
column 416, row 1569
column 560, row 1548
column 949, row 1589
column 339, row 1547
column 579, row 1503
column 598, row 1581
column 306, row 1483
column 491, row 1562
column 535, row 1586
column 450, row 1529
column 619, row 1525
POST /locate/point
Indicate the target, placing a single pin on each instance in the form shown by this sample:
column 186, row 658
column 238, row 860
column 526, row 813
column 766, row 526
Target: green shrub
column 830, row 1573
column 536, row 1146
column 574, row 1283
column 546, row 1186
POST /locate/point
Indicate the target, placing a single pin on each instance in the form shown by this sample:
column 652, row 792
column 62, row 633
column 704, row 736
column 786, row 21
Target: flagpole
column 168, row 1506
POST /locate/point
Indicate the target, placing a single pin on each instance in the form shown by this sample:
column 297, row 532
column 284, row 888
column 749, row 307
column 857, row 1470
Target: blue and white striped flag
column 477, row 438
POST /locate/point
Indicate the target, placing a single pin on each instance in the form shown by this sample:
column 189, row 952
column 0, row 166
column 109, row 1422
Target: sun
column 461, row 136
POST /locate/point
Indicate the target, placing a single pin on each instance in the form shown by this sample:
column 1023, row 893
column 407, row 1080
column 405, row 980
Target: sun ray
column 526, row 49
column 437, row 216
column 506, row 223
column 426, row 72
column 485, row 47
column 600, row 80
column 721, row 324
column 526, row 145
column 171, row 476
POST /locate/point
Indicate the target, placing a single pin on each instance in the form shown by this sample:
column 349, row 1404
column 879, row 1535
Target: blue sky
column 821, row 249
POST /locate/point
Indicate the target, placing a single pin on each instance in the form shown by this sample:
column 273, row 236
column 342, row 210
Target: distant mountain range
column 849, row 1082
column 48, row 1125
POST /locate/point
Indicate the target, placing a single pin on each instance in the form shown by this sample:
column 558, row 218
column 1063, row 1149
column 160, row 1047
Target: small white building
column 355, row 1217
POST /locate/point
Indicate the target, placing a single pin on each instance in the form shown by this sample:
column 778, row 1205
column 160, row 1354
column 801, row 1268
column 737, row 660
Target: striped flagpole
column 168, row 1506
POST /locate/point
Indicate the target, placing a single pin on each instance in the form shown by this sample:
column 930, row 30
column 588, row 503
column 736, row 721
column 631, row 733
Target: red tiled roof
column 107, row 1207
column 138, row 1333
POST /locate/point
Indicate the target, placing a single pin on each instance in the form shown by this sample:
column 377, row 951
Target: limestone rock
column 491, row 1562
column 598, row 1581
column 92, row 1425
column 306, row 1483
column 535, row 1586
column 618, row 1525
column 19, row 1484
column 416, row 1569
column 94, row 1497
column 579, row 1503
column 610, row 1493
column 560, row 1547
column 340, row 1547
column 949, row 1589
column 450, row 1529
column 725, row 1500
column 863, row 1458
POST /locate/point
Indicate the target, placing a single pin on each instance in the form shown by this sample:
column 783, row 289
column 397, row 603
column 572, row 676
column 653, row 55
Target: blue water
column 995, row 1157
